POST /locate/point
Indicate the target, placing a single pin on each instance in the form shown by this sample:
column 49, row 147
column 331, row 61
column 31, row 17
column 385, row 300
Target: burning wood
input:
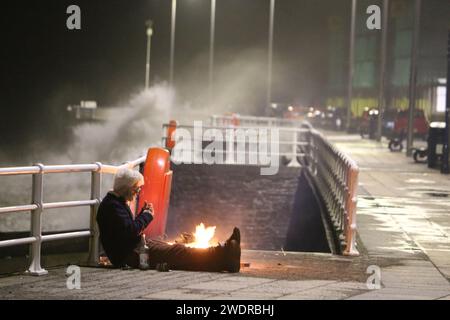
column 185, row 237
column 201, row 238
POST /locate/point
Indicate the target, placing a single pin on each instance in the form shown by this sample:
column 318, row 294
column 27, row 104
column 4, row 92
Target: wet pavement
column 403, row 213
column 403, row 206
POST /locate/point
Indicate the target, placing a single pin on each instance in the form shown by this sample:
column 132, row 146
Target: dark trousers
column 180, row 257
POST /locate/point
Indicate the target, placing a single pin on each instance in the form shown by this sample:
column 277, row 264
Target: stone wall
column 233, row 195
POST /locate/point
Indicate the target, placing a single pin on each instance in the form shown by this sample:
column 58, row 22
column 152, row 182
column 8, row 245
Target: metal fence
column 335, row 175
column 38, row 206
column 235, row 142
column 253, row 121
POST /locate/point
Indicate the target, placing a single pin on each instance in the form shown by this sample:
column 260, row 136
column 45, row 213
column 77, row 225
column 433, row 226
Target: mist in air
column 126, row 133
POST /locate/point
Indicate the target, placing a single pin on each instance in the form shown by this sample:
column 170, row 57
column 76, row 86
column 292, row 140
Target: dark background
column 45, row 66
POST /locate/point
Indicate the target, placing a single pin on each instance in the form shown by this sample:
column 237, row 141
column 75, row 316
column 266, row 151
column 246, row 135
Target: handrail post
column 308, row 148
column 96, row 186
column 352, row 183
column 35, row 268
column 294, row 162
column 314, row 154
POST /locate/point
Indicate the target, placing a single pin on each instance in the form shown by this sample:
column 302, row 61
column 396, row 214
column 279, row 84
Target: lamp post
column 211, row 49
column 350, row 65
column 445, row 150
column 381, row 96
column 413, row 78
column 269, row 71
column 149, row 31
column 172, row 41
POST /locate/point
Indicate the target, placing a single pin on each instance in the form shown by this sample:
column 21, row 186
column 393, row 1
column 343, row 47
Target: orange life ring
column 156, row 189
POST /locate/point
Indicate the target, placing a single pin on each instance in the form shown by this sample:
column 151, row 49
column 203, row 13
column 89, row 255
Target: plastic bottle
column 143, row 254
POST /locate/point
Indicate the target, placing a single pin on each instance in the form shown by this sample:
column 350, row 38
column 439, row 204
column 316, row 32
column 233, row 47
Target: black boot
column 236, row 235
column 232, row 255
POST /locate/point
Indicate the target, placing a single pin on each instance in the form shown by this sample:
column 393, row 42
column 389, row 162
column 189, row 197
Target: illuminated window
column 441, row 99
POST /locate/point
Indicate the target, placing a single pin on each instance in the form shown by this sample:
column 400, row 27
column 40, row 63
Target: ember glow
column 203, row 237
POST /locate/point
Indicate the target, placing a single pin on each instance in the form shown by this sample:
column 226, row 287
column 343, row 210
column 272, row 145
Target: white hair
column 125, row 179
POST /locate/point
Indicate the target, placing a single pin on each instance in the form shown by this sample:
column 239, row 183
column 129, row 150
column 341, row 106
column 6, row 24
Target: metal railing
column 38, row 206
column 336, row 177
column 290, row 141
column 253, row 121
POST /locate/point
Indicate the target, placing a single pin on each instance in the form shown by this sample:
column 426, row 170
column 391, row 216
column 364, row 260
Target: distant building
column 431, row 64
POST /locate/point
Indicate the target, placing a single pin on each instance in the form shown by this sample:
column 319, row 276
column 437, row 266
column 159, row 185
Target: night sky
column 45, row 66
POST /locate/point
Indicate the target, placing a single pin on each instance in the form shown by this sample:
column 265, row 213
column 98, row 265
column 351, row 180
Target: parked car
column 420, row 125
column 391, row 125
column 399, row 133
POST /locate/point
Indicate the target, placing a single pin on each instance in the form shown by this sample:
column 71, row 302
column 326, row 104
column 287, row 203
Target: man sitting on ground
column 120, row 234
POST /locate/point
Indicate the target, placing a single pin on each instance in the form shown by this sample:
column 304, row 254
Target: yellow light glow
column 203, row 236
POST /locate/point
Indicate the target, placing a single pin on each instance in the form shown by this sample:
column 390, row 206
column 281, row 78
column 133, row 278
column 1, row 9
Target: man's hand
column 148, row 207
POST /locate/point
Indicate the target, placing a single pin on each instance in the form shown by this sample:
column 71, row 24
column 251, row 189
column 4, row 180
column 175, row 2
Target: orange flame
column 203, row 237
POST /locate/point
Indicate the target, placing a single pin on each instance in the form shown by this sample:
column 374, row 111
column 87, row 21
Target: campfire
column 202, row 237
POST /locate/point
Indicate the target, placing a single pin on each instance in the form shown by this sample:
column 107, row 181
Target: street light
column 149, row 31
column 413, row 78
column 381, row 92
column 350, row 65
column 172, row 40
column 211, row 49
column 445, row 168
column 269, row 71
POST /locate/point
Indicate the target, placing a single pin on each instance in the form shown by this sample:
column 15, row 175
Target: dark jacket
column 119, row 232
